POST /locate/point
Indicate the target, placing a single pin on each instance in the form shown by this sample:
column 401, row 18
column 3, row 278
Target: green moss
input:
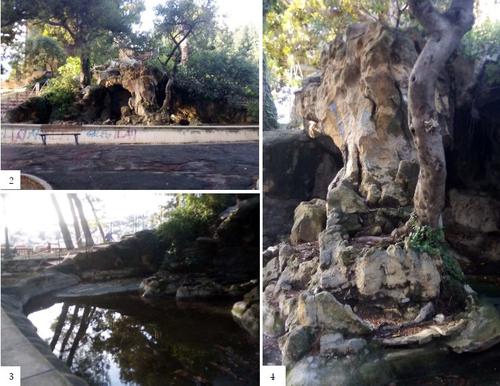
column 424, row 238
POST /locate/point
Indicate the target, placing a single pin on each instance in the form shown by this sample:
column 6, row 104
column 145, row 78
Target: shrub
column 61, row 90
column 191, row 219
column 221, row 76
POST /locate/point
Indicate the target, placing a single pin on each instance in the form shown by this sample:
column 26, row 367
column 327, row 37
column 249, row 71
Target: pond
column 127, row 340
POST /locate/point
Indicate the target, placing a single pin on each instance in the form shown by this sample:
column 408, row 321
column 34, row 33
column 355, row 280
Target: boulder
column 481, row 332
column 325, row 311
column 295, row 344
column 309, row 221
column 247, row 311
column 335, row 344
column 398, row 273
column 202, row 288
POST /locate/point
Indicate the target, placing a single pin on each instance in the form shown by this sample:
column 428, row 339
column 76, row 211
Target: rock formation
column 131, row 92
column 354, row 289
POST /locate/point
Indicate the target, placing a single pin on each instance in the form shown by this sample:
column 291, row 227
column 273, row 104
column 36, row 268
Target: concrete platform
column 230, row 166
column 17, row 350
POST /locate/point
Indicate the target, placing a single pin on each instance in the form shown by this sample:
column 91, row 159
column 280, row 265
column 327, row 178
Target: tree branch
column 427, row 15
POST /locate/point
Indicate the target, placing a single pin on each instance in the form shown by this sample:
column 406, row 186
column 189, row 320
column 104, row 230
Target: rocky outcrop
column 135, row 255
column 222, row 264
column 472, row 223
column 358, row 287
column 34, row 110
column 360, row 102
column 296, row 168
column 309, row 221
column 247, row 312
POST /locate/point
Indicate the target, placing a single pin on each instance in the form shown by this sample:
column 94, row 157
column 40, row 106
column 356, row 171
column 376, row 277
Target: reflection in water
column 122, row 340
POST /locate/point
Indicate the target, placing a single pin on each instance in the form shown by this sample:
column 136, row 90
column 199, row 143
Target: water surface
column 126, row 340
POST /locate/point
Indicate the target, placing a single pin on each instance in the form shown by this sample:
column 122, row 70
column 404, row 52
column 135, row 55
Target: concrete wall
column 28, row 134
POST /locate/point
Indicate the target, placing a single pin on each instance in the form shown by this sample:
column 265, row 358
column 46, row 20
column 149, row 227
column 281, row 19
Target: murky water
column 126, row 340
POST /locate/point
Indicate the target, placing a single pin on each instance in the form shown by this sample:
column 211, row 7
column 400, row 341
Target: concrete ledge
column 21, row 133
column 21, row 345
column 17, row 350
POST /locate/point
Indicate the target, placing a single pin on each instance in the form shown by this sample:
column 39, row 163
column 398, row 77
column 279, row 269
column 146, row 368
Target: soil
column 29, row 184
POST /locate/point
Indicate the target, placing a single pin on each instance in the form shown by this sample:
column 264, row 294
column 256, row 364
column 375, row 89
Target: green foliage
column 482, row 39
column 80, row 23
column 190, row 219
column 42, row 52
column 219, row 75
column 180, row 20
column 296, row 30
column 432, row 241
column 60, row 91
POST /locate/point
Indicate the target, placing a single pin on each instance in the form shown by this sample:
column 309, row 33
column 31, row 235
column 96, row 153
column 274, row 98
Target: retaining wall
column 29, row 134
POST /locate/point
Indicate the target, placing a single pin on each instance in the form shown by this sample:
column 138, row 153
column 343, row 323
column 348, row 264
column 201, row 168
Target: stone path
column 17, row 350
column 187, row 166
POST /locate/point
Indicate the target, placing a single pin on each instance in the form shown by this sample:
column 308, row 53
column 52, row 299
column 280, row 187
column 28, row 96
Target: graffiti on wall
column 30, row 135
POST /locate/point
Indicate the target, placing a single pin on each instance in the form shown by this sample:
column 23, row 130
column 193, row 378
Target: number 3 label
column 273, row 376
column 10, row 375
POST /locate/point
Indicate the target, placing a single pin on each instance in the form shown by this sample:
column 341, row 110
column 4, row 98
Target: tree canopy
column 83, row 21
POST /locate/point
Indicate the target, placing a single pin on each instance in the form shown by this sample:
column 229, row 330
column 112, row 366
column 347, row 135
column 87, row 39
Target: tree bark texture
column 444, row 30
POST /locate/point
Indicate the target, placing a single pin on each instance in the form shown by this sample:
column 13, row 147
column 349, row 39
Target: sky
column 33, row 211
column 236, row 13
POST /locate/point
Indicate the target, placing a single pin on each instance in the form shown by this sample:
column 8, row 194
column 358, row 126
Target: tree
column 91, row 203
column 84, row 21
column 59, row 326
column 62, row 224
column 178, row 21
column 295, row 31
column 445, row 31
column 74, row 320
column 76, row 224
column 43, row 52
column 8, row 251
column 83, row 221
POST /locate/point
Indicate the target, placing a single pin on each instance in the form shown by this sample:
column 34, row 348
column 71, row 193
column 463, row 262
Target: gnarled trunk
column 445, row 31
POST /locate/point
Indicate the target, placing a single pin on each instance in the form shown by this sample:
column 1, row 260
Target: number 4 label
column 273, row 376
column 10, row 375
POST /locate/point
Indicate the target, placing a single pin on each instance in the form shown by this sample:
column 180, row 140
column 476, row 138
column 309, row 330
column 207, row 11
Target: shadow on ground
column 183, row 166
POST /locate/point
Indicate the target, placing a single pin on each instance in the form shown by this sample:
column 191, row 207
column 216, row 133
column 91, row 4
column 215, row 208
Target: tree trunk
column 62, row 224
column 101, row 231
column 445, row 30
column 76, row 224
column 85, row 74
column 74, row 319
column 85, row 226
column 59, row 326
column 84, row 324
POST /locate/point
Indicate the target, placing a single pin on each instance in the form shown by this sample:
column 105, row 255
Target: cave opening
column 119, row 97
column 474, row 159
